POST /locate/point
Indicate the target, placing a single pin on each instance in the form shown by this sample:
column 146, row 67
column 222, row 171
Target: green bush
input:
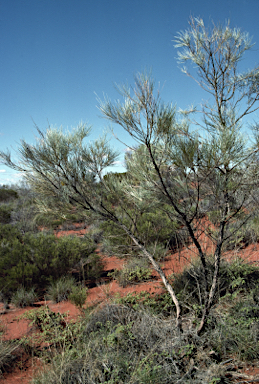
column 156, row 303
column 5, row 213
column 54, row 328
column 24, row 211
column 135, row 271
column 244, row 235
column 23, row 298
column 90, row 268
column 235, row 276
column 95, row 233
column 237, row 327
column 152, row 228
column 61, row 289
column 78, row 296
column 7, row 194
column 36, row 260
column 116, row 344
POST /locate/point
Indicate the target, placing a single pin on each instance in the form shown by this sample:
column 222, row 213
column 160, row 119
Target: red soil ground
column 15, row 328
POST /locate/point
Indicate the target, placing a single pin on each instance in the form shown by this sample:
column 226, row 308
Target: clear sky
column 57, row 55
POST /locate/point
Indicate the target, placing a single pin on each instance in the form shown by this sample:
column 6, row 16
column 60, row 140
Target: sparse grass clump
column 61, row 289
column 7, row 354
column 24, row 298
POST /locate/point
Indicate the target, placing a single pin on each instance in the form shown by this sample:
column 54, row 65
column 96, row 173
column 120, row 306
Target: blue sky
column 57, row 55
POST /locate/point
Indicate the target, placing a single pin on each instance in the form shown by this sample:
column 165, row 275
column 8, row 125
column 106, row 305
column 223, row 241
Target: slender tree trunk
column 111, row 216
column 212, row 292
column 209, row 302
column 159, row 270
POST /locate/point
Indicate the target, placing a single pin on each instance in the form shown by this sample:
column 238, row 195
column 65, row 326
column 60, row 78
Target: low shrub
column 5, row 299
column 61, row 289
column 160, row 304
column 156, row 230
column 90, row 268
column 240, row 236
column 135, row 271
column 131, row 342
column 95, row 233
column 24, row 298
column 71, row 226
column 44, row 319
column 78, row 296
column 7, row 194
column 36, row 260
column 117, row 344
column 5, row 213
column 54, row 329
column 236, row 331
column 235, row 276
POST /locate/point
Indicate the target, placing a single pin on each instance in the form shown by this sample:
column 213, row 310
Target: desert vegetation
column 191, row 185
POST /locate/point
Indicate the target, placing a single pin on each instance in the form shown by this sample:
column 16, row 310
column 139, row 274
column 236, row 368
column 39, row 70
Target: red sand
column 78, row 232
column 15, row 329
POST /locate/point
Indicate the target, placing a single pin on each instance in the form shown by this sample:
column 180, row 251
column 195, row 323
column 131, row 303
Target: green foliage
column 8, row 199
column 24, row 298
column 8, row 353
column 154, row 229
column 116, row 344
column 78, row 296
column 250, row 232
column 54, row 328
column 24, row 210
column 7, row 194
column 235, row 277
column 176, row 178
column 5, row 213
column 102, row 351
column 175, row 174
column 95, row 233
column 61, row 289
column 35, row 260
column 125, row 343
column 90, row 267
column 237, row 330
column 12, row 255
column 43, row 318
column 243, row 276
column 134, row 271
column 56, row 221
column 158, row 304
column 115, row 241
column 241, row 236
column 118, row 175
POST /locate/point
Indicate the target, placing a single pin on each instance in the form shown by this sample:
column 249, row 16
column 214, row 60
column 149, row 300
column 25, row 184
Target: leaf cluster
column 134, row 271
column 7, row 194
column 35, row 260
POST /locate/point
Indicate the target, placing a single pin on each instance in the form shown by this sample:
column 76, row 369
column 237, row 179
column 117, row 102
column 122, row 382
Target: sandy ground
column 15, row 328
